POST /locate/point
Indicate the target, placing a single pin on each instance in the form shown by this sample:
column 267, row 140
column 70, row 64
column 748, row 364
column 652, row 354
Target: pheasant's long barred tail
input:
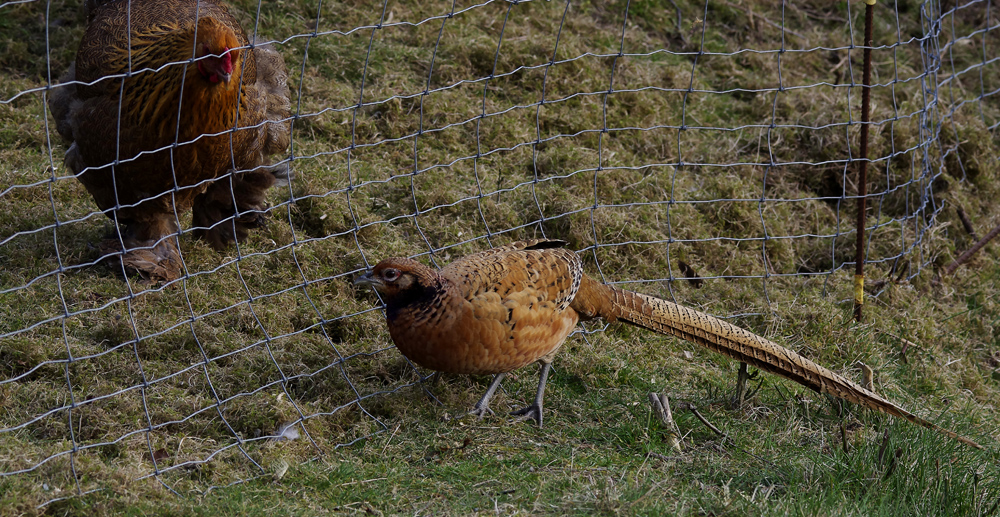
column 738, row 343
column 183, row 210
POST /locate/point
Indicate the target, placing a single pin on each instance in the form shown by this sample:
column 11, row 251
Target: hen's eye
column 390, row 275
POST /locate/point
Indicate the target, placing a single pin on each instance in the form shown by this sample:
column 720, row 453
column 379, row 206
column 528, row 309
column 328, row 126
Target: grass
column 274, row 331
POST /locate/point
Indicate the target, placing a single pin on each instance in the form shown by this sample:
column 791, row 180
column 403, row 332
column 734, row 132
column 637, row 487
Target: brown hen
column 500, row 310
column 170, row 107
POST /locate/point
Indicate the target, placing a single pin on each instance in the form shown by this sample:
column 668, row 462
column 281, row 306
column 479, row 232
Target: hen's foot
column 220, row 222
column 153, row 261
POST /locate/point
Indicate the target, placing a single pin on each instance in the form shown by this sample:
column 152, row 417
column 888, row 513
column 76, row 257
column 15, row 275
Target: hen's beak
column 368, row 280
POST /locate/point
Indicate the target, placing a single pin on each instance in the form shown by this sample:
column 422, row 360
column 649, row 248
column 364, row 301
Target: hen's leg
column 214, row 215
column 483, row 406
column 534, row 411
column 147, row 246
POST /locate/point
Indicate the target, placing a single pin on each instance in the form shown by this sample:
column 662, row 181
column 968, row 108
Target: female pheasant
column 502, row 309
column 170, row 107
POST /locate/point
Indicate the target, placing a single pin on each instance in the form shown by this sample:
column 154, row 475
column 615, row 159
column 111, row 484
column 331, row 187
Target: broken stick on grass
column 868, row 376
column 661, row 407
column 962, row 216
column 964, row 257
column 694, row 409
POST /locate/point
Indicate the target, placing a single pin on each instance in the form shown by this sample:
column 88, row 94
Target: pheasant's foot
column 483, row 406
column 533, row 412
column 481, row 411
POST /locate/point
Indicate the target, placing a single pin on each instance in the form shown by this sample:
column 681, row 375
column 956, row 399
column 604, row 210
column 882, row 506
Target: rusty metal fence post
column 859, row 261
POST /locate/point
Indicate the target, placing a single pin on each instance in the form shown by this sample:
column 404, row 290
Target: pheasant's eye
column 390, row 275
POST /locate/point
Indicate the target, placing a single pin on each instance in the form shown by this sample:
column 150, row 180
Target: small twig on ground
column 902, row 272
column 962, row 216
column 881, row 449
column 906, row 345
column 694, row 409
column 661, row 407
column 843, row 429
column 690, row 274
column 964, row 257
column 664, row 458
column 390, row 439
column 892, row 462
column 678, row 9
column 741, row 385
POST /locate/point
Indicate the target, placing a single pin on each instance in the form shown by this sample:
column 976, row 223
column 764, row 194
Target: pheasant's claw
column 533, row 412
column 481, row 411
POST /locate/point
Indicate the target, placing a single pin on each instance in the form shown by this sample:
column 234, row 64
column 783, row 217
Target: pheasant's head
column 216, row 51
column 400, row 280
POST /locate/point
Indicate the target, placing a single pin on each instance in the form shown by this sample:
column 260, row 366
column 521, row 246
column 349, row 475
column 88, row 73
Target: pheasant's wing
column 552, row 272
column 530, row 244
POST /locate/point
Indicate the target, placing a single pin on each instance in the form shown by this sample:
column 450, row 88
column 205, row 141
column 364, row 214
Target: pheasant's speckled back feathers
column 555, row 272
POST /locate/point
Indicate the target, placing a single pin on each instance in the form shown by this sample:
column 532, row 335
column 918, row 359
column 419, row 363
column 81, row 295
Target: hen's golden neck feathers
column 217, row 52
column 214, row 80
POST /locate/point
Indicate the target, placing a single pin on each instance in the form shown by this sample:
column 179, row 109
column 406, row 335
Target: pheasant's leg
column 535, row 410
column 483, row 406
column 741, row 385
column 437, row 380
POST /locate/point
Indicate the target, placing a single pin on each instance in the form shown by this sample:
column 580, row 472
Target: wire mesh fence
column 664, row 142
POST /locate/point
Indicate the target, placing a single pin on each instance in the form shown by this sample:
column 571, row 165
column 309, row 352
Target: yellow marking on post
column 859, row 289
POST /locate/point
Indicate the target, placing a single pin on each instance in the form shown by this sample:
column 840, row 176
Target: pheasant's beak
column 368, row 280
